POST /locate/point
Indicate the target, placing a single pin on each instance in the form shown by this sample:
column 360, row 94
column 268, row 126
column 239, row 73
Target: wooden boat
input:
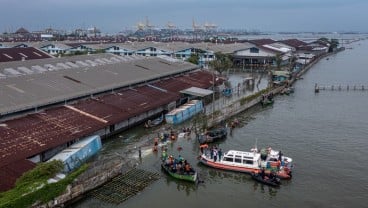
column 266, row 180
column 213, row 135
column 250, row 162
column 155, row 122
column 267, row 101
column 181, row 175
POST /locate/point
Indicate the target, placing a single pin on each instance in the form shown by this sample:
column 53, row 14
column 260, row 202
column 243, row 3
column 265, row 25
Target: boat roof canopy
column 195, row 91
column 235, row 153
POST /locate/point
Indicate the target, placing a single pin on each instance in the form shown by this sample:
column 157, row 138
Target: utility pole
column 213, row 95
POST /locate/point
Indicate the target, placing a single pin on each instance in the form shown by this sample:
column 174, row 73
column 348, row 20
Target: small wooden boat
column 155, row 122
column 180, row 174
column 213, row 135
column 266, row 180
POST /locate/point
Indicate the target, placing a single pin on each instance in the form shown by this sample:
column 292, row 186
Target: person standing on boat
column 211, row 152
column 280, row 155
column 215, row 154
column 219, row 154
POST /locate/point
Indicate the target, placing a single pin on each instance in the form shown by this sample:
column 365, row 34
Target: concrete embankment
column 240, row 105
column 99, row 173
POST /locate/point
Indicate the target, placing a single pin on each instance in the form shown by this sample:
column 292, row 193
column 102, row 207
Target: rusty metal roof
column 17, row 54
column 26, row 136
column 201, row 79
column 30, row 135
column 10, row 173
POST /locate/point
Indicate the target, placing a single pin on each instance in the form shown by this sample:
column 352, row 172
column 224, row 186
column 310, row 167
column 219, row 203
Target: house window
column 254, row 50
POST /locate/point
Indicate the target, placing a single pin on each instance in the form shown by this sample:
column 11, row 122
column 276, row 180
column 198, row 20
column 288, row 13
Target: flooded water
column 326, row 134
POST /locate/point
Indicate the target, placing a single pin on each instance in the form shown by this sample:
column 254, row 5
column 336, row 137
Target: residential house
column 55, row 48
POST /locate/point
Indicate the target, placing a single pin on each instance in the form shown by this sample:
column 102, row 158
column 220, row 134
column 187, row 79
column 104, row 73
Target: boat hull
column 186, row 177
column 213, row 136
column 221, row 166
column 282, row 174
column 155, row 122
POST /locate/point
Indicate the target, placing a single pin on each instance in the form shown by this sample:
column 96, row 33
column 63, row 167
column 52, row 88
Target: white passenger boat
column 251, row 162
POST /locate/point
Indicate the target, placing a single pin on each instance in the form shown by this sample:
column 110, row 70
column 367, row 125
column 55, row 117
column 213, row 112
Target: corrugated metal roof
column 63, row 82
column 18, row 54
column 199, row 92
column 32, row 134
column 10, row 173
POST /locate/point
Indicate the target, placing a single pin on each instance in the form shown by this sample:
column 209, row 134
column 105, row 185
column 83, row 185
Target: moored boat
column 213, row 135
column 250, row 162
column 267, row 102
column 267, row 99
column 154, row 122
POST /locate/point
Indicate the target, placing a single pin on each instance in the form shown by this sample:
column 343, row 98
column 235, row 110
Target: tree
column 334, row 43
column 221, row 63
column 278, row 59
column 194, row 58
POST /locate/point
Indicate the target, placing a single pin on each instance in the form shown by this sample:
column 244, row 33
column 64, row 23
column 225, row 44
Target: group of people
column 178, row 165
column 163, row 137
column 215, row 153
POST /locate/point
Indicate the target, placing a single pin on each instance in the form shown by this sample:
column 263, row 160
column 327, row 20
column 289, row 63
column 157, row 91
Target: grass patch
column 32, row 187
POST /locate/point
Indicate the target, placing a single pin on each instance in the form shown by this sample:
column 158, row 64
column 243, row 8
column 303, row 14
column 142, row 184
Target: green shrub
column 28, row 188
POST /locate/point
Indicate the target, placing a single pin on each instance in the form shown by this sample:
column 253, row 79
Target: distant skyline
column 113, row 16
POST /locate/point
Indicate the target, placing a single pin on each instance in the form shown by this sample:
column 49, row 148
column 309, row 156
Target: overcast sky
column 112, row 16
